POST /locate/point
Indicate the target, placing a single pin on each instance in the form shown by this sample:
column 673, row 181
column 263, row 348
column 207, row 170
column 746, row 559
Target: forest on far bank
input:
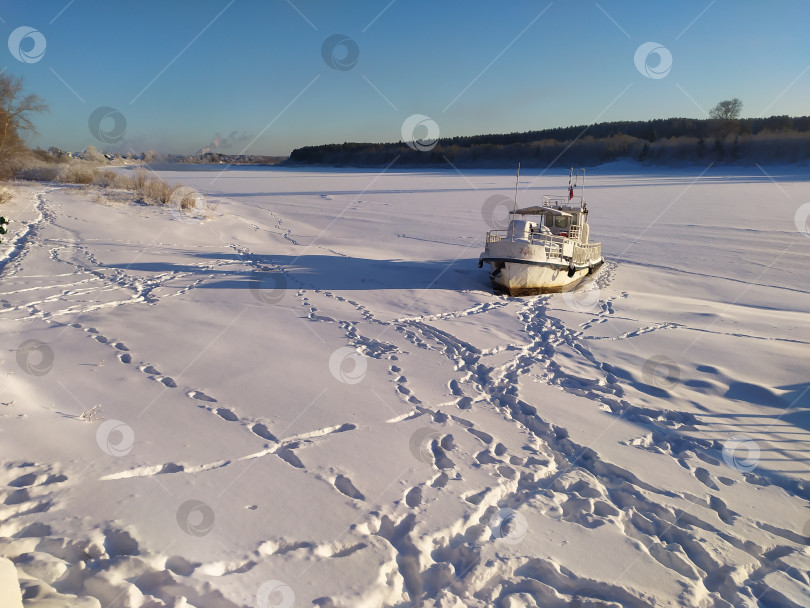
column 670, row 141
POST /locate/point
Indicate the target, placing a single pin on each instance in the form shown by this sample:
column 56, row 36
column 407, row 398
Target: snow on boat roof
column 538, row 210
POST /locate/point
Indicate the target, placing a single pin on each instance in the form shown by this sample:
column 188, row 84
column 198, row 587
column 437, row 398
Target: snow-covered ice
column 309, row 395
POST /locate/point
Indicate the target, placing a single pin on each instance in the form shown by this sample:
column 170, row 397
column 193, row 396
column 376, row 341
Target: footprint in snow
column 485, row 437
column 465, row 403
column 485, row 457
column 704, row 477
column 414, row 497
column 25, row 480
column 507, row 472
column 17, row 497
column 345, row 486
column 262, row 431
column 440, row 481
column 290, row 458
column 227, row 414
column 201, row 396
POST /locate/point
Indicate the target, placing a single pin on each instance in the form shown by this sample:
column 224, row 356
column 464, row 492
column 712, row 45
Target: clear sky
column 258, row 73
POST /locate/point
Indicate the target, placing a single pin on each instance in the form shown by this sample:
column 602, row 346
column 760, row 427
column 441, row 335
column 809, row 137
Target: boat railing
column 552, row 244
column 584, row 253
column 559, row 201
column 535, row 238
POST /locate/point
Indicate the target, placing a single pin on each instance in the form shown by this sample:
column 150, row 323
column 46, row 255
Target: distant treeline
column 662, row 141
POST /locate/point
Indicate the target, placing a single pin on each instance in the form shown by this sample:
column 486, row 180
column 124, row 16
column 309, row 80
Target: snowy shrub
column 32, row 166
column 6, row 194
column 150, row 190
column 77, row 173
column 94, row 414
column 158, row 192
column 38, row 173
column 189, row 201
column 110, row 179
column 139, row 179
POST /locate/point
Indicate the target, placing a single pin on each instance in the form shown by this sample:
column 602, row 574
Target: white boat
column 544, row 248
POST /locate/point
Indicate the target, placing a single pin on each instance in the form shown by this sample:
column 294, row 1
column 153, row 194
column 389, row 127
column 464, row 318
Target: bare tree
column 727, row 110
column 15, row 115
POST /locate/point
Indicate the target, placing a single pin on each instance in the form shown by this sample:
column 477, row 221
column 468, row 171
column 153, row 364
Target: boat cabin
column 530, row 223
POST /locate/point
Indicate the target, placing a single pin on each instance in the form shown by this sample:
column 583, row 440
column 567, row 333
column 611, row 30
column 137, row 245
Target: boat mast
column 570, row 184
column 517, row 181
column 582, row 206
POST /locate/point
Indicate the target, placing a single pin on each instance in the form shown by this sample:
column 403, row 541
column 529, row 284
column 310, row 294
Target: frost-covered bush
column 111, row 179
column 6, row 193
column 139, row 179
column 77, row 173
column 149, row 189
column 38, row 172
column 157, row 192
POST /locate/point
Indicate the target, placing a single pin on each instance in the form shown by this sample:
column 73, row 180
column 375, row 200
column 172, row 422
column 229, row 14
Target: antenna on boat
column 517, row 181
column 583, row 206
column 572, row 183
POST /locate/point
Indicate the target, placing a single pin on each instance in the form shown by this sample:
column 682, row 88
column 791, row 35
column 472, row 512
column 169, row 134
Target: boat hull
column 522, row 278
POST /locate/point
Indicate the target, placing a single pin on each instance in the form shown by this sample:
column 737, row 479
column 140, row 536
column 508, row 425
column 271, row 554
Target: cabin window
column 556, row 221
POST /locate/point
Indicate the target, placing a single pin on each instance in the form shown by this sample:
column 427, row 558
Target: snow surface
column 309, row 395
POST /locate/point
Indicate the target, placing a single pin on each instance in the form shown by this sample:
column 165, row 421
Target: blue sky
column 180, row 73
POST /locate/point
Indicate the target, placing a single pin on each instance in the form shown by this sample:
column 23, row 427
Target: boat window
column 561, row 221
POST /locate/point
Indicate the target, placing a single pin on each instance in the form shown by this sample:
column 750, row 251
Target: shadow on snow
column 326, row 272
